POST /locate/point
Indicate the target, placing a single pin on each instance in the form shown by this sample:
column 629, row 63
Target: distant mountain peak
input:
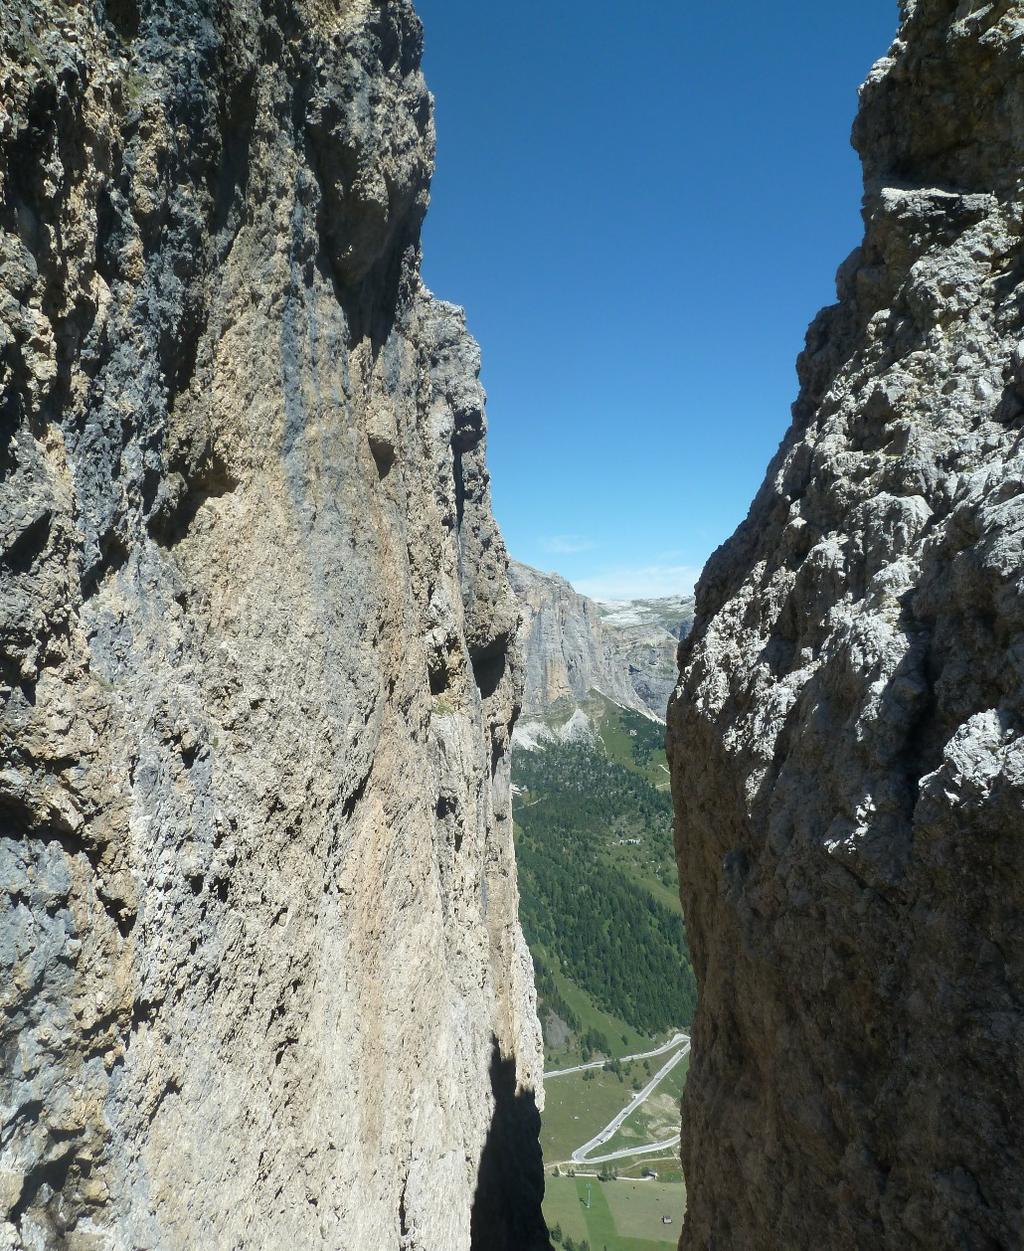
column 573, row 645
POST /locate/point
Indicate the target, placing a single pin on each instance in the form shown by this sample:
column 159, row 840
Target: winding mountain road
column 674, row 1041
column 650, row 1149
column 582, row 1154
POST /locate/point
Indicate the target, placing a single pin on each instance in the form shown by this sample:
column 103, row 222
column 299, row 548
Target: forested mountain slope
column 599, row 897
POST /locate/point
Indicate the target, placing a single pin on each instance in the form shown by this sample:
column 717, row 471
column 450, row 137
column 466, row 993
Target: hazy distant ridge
column 573, row 645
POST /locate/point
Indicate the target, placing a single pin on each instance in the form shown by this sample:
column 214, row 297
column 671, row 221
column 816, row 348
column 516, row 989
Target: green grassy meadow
column 623, row 1216
column 576, row 1107
column 657, row 1118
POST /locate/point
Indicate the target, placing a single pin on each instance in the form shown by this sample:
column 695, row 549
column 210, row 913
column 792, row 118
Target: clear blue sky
column 641, row 206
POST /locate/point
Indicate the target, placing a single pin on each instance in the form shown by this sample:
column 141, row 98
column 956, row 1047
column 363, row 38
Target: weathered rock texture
column 262, row 978
column 643, row 639
column 573, row 645
column 846, row 738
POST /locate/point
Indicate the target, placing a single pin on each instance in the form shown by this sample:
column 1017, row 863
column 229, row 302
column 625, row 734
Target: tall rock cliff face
column 846, row 737
column 573, row 645
column 262, row 978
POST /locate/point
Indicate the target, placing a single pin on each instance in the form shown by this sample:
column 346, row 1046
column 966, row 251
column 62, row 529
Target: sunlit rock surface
column 262, row 977
column 846, row 745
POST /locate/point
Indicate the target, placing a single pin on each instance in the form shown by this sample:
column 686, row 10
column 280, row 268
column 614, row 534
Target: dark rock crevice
column 510, row 1182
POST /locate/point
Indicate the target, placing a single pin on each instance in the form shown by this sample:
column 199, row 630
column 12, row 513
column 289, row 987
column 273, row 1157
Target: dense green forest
column 601, row 906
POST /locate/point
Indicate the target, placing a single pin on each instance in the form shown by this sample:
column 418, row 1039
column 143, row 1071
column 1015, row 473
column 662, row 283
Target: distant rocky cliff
column 573, row 645
column 846, row 740
column 262, row 978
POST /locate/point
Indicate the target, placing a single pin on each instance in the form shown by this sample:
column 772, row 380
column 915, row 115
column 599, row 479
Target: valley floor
column 628, row 1133
column 600, row 909
column 622, row 1215
column 641, row 1141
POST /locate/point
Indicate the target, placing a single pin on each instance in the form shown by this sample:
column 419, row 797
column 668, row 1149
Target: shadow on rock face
column 510, row 1187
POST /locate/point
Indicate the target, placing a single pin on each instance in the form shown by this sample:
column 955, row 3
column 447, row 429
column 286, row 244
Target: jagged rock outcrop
column 573, row 645
column 848, row 766
column 262, row 978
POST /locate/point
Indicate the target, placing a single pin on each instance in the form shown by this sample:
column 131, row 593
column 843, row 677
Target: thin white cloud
column 567, row 544
column 641, row 582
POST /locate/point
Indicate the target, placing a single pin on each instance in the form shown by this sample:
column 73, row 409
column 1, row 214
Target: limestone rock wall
column 262, row 978
column 848, row 762
column 572, row 645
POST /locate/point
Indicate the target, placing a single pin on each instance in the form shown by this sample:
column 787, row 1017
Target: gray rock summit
column 261, row 974
column 573, row 645
column 846, row 737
